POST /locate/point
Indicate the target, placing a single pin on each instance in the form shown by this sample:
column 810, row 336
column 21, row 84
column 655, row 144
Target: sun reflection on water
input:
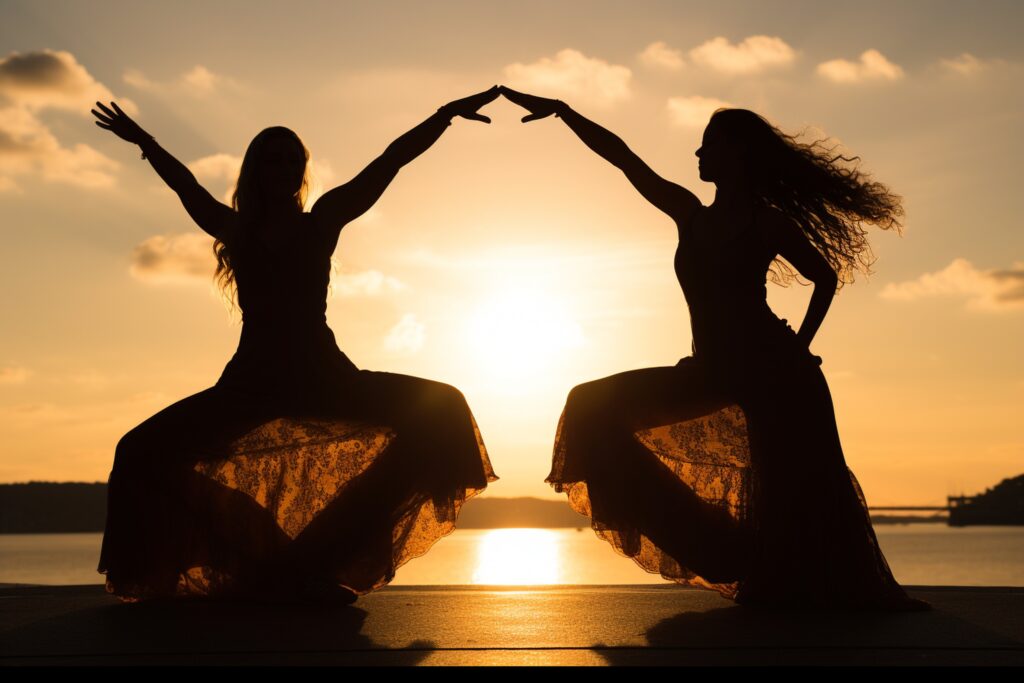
column 518, row 557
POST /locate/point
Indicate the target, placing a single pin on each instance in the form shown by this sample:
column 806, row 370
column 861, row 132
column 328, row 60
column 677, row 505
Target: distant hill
column 1001, row 504
column 47, row 507
column 499, row 513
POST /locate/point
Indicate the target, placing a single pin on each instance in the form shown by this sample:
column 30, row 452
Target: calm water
column 928, row 554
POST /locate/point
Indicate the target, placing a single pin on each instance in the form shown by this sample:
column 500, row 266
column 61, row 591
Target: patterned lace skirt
column 732, row 481
column 254, row 486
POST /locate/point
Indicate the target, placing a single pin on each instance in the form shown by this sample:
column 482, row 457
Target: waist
column 745, row 336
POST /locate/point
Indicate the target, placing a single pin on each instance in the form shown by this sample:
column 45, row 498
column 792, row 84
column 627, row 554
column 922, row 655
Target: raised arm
column 789, row 241
column 347, row 202
column 209, row 214
column 673, row 199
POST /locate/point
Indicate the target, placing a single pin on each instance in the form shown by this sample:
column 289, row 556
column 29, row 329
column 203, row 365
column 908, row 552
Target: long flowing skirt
column 733, row 480
column 252, row 486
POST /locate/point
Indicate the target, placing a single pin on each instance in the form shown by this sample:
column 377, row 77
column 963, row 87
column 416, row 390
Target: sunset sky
column 509, row 260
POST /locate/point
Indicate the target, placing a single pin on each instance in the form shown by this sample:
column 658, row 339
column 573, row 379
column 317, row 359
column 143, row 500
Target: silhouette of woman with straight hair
column 726, row 471
column 297, row 475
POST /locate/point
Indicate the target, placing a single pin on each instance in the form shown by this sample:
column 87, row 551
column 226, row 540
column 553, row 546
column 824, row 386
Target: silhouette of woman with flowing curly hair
column 298, row 475
column 725, row 471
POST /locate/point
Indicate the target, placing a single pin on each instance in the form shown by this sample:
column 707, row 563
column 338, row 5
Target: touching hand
column 467, row 106
column 539, row 107
column 120, row 124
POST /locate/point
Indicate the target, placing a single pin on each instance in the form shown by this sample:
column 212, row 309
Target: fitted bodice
column 723, row 278
column 282, row 292
column 285, row 283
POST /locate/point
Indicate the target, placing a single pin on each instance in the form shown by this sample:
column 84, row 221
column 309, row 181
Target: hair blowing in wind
column 824, row 191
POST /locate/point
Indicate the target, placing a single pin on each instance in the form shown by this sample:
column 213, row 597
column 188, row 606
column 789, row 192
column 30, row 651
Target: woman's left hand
column 120, row 124
column 539, row 107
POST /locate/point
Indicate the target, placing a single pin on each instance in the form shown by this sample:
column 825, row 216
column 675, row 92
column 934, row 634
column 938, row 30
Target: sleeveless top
column 723, row 279
column 282, row 293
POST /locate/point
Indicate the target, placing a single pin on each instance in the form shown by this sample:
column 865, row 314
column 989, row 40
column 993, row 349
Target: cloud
column 218, row 167
column 197, row 82
column 406, row 336
column 872, row 66
column 965, row 64
column 571, row 74
column 51, row 79
column 989, row 290
column 27, row 147
column 693, row 111
column 753, row 55
column 365, row 283
column 12, row 374
column 174, row 259
column 660, row 56
column 35, row 82
column 187, row 258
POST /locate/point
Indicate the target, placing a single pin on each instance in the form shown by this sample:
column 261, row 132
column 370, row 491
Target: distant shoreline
column 77, row 507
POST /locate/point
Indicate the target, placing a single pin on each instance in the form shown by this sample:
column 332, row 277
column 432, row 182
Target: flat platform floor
column 560, row 625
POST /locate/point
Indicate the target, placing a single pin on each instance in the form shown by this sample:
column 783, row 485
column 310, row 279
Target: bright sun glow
column 519, row 332
column 518, row 557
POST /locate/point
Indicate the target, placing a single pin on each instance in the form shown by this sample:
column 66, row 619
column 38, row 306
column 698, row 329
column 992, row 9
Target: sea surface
column 919, row 554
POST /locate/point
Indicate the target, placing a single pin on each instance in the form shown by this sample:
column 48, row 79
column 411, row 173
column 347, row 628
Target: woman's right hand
column 120, row 124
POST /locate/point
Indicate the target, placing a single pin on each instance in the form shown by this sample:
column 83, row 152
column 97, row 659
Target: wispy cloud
column 365, row 283
column 693, row 111
column 571, row 74
column 966, row 64
column 407, row 336
column 752, row 55
column 13, row 374
column 872, row 66
column 988, row 290
column 174, row 259
column 220, row 168
column 198, row 81
column 52, row 79
column 658, row 55
column 32, row 83
column 216, row 166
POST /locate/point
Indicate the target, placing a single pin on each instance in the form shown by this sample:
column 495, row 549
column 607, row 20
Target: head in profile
column 274, row 173
column 823, row 190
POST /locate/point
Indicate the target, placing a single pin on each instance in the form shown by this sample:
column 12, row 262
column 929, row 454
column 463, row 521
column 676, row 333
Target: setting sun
column 518, row 557
column 519, row 332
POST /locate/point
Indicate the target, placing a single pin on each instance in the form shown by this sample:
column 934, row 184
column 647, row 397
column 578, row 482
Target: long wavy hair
column 823, row 190
column 247, row 200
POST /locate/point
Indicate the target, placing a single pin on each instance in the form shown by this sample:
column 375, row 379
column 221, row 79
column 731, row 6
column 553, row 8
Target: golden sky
column 509, row 232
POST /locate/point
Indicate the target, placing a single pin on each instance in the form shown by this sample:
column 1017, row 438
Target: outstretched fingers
column 106, row 110
column 539, row 107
